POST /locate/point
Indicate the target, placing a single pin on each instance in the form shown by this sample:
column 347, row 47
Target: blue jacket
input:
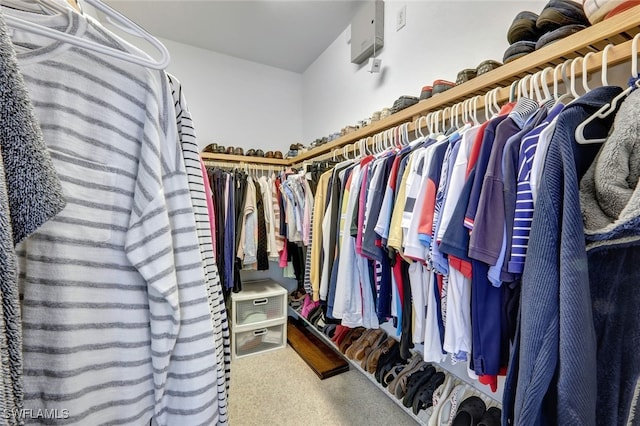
column 551, row 378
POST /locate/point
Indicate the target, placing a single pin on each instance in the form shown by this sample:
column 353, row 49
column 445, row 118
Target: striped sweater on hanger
column 117, row 328
column 187, row 137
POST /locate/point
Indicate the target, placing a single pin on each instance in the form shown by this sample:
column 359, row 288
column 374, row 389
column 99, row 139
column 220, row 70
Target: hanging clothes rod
column 243, row 166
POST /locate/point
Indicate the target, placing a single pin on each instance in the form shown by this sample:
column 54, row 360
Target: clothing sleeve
column 170, row 261
column 150, row 248
column 458, row 176
column 395, row 225
column 384, row 219
column 488, row 230
column 427, row 209
column 413, row 248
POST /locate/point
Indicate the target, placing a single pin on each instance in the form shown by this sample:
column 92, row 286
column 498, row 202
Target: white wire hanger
column 585, row 76
column 544, row 83
column 134, row 28
column 609, row 108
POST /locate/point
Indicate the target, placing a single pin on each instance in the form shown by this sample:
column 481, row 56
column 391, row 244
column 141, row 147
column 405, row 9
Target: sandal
column 351, row 337
column 386, row 361
column 439, row 396
column 450, row 406
column 391, row 375
column 370, row 350
column 374, row 357
column 415, row 382
column 350, row 352
column 413, row 364
column 402, row 381
column 424, row 397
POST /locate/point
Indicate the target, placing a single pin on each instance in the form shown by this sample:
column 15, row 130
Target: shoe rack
column 617, row 31
column 422, row 418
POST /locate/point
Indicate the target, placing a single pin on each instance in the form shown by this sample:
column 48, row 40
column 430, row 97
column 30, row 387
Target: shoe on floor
column 424, row 397
column 339, row 334
column 415, row 382
column 374, row 357
column 351, row 337
column 350, row 352
column 371, row 349
column 439, row 396
column 450, row 405
column 411, row 366
column 386, row 361
column 492, row 417
column 470, row 412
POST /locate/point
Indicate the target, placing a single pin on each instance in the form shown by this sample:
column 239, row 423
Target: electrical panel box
column 367, row 31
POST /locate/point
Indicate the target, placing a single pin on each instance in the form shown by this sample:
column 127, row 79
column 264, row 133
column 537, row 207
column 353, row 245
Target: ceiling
column 283, row 34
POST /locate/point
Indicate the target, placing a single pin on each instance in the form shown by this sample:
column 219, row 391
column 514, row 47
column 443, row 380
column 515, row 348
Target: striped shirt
column 115, row 317
column 524, row 196
column 197, row 192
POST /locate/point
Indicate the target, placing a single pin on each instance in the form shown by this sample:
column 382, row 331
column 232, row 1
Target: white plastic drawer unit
column 259, row 301
column 258, row 318
column 259, row 340
column 259, row 310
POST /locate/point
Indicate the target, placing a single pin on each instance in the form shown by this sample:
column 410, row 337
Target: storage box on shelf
column 258, row 318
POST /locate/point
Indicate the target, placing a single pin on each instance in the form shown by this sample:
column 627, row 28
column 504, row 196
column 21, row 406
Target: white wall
column 439, row 39
column 237, row 102
column 234, row 102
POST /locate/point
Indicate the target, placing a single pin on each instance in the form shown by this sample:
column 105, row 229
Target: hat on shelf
column 559, row 13
column 626, row 5
column 212, row 147
column 466, row 75
column 524, row 27
column 426, row 92
column 440, row 86
column 486, row 66
column 596, row 10
column 558, row 34
column 518, row 49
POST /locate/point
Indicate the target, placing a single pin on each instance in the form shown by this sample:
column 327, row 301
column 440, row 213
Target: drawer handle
column 258, row 302
column 261, row 332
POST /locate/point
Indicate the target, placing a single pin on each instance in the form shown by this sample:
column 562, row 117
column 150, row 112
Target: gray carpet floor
column 278, row 388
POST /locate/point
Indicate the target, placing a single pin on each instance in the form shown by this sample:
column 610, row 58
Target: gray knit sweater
column 30, row 194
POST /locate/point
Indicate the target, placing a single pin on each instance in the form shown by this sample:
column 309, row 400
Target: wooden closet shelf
column 208, row 156
column 616, row 30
